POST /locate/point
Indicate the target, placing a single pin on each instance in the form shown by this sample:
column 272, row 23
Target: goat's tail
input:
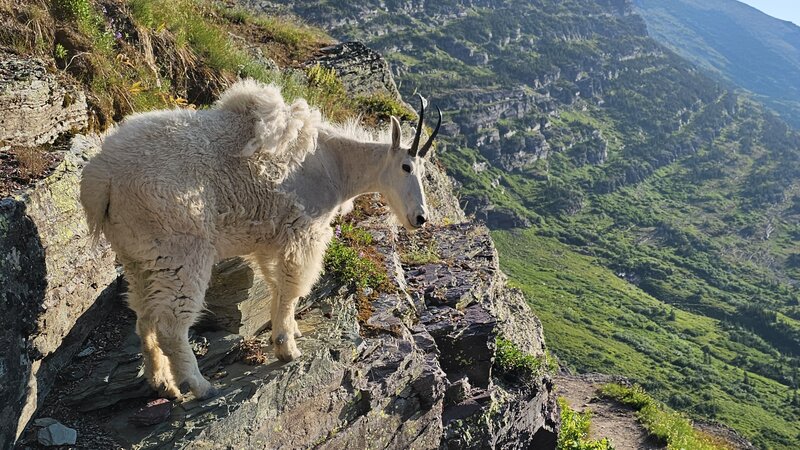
column 95, row 196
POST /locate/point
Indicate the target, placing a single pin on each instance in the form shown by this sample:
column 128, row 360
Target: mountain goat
column 175, row 191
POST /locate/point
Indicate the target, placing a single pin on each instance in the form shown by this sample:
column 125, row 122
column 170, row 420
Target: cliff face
column 416, row 365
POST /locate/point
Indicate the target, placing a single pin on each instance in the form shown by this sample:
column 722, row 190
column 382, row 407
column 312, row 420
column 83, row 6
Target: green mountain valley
column 648, row 211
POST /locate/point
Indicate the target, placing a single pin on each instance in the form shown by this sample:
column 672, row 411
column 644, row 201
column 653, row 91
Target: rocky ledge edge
column 418, row 370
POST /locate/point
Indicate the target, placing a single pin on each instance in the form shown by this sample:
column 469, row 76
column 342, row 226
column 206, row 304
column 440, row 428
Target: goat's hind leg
column 156, row 365
column 176, row 291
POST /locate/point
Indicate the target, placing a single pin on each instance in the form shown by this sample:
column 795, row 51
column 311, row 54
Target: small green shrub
column 60, row 52
column 574, row 433
column 323, row 77
column 89, row 21
column 349, row 266
column 328, row 93
column 78, row 10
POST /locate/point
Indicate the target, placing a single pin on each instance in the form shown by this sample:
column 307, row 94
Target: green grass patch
column 661, row 422
column 352, row 259
column 190, row 22
column 515, row 365
column 595, row 321
column 417, row 254
column 509, row 358
column 574, row 434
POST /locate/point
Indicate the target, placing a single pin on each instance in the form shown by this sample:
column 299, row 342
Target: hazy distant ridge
column 750, row 48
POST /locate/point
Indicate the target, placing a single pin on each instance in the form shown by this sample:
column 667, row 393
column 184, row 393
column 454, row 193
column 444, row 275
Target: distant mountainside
column 750, row 48
column 649, row 213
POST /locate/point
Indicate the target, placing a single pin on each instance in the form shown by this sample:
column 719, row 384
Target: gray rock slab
column 57, row 434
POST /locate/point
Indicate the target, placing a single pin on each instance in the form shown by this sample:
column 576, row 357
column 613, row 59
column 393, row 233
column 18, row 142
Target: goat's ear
column 395, row 133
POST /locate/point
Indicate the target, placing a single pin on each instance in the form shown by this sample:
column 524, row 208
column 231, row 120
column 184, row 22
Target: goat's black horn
column 424, row 150
column 415, row 145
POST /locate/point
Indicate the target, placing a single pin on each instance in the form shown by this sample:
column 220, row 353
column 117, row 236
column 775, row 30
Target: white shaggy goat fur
column 175, row 191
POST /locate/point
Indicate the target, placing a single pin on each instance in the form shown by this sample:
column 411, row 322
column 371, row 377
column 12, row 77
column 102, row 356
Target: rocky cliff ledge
column 416, row 368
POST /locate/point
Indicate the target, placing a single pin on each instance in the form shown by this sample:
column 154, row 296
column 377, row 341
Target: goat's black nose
column 421, row 220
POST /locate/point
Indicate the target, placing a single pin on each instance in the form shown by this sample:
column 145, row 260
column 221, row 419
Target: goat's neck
column 359, row 165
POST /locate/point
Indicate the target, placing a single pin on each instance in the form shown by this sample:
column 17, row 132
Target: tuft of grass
column 351, row 260
column 574, row 434
column 328, row 93
column 192, row 26
column 297, row 39
column 32, row 161
column 291, row 32
column 382, row 106
column 661, row 422
column 418, row 254
column 512, row 363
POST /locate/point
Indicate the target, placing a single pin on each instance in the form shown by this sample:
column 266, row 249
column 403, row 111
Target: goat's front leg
column 296, row 277
column 269, row 269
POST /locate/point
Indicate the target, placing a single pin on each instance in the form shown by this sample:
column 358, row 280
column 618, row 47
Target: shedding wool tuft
column 283, row 135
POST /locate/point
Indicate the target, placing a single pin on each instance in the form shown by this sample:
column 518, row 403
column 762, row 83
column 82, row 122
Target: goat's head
column 402, row 177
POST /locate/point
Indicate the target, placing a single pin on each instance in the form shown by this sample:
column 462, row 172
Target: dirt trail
column 609, row 419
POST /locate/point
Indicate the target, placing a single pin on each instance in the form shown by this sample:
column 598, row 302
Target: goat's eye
column 407, row 168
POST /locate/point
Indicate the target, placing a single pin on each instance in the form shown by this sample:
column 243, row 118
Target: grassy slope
column 597, row 321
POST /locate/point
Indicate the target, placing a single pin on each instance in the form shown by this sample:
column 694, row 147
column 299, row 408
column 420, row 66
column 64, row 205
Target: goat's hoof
column 285, row 348
column 210, row 393
column 166, row 390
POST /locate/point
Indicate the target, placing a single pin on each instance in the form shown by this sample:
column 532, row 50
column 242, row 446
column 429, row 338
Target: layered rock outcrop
column 37, row 106
column 363, row 71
